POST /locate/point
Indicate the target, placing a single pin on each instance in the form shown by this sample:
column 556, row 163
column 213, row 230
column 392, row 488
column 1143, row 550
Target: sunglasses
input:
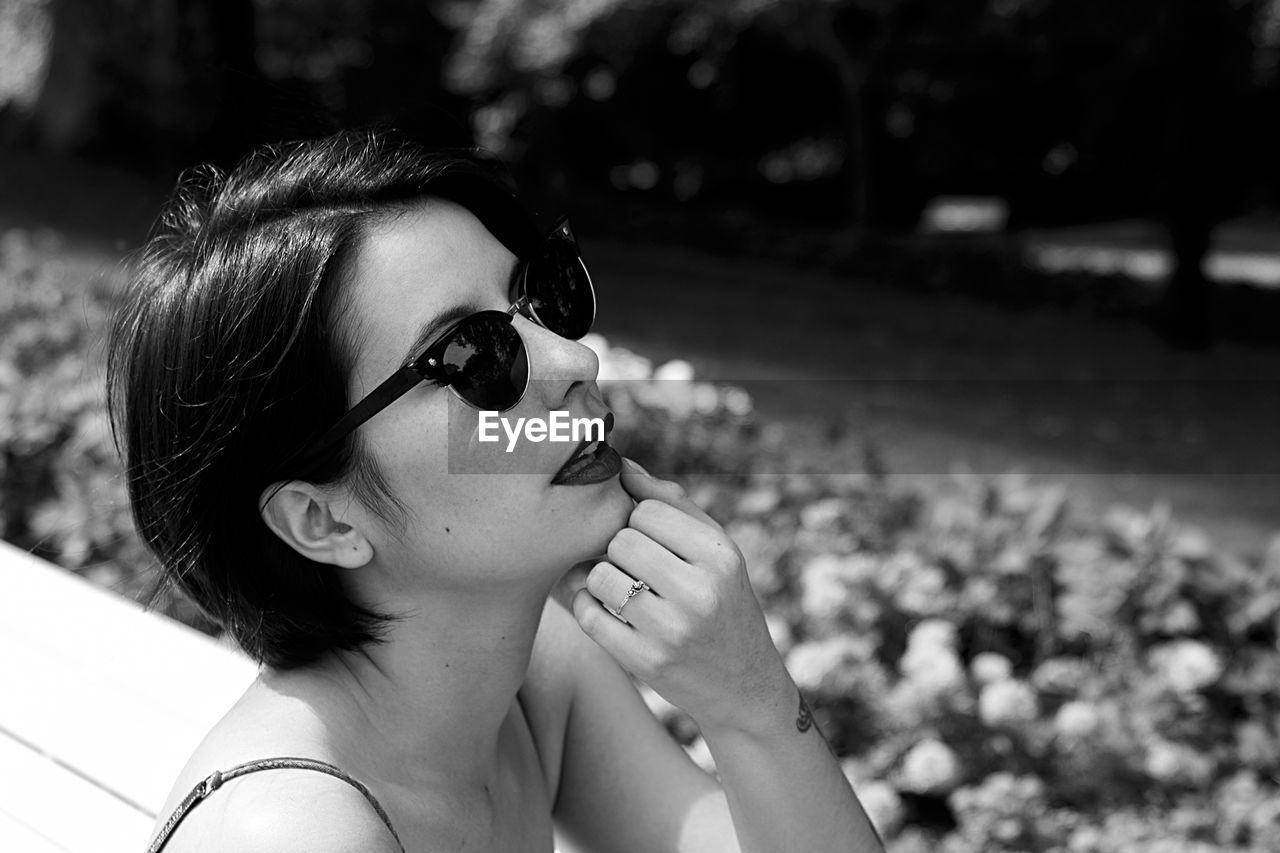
column 481, row 358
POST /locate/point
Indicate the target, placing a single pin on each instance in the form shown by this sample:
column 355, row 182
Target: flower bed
column 996, row 672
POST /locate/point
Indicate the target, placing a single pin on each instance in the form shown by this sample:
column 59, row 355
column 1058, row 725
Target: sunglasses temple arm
column 395, row 387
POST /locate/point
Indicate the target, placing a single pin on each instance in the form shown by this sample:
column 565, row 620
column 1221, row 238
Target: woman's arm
column 697, row 636
column 784, row 788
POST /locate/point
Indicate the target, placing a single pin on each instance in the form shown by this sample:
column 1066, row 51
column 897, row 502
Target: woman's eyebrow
column 455, row 313
column 437, row 324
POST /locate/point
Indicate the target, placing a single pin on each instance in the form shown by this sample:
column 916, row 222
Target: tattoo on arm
column 804, row 722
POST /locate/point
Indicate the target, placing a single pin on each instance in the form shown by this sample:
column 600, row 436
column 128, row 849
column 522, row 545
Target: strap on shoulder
column 215, row 780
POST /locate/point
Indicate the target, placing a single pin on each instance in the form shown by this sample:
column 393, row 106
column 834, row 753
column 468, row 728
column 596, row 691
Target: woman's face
column 477, row 514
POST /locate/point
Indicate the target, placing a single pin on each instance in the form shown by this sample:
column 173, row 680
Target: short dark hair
column 229, row 355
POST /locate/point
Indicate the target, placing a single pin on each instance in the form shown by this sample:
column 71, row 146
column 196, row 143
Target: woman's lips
column 584, row 468
column 603, row 464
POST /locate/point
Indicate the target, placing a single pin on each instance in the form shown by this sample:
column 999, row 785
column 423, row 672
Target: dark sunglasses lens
column 485, row 363
column 559, row 289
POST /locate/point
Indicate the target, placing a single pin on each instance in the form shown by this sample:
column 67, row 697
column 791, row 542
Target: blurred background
column 964, row 316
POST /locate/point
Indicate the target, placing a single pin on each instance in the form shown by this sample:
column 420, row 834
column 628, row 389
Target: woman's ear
column 302, row 516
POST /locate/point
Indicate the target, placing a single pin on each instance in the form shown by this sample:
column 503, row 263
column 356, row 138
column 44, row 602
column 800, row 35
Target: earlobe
column 302, row 516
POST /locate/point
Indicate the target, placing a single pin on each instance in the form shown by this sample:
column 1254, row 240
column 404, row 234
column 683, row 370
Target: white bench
column 101, row 703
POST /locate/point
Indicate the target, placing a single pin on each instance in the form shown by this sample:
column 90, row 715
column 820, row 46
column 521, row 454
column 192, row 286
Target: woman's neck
column 429, row 703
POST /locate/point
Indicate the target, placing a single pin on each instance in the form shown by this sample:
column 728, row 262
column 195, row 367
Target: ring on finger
column 635, row 589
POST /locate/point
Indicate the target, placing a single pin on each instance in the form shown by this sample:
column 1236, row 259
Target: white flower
column 936, row 670
column 596, row 343
column 932, row 675
column 820, row 514
column 677, row 369
column 828, row 665
column 924, row 592
column 829, row 588
column 990, row 667
column 760, row 552
column 882, row 804
column 1008, row 702
column 1169, row 762
column 823, row 590
column 930, row 767
column 1076, row 720
column 706, row 398
column 1059, row 675
column 759, row 500
column 932, row 634
column 616, row 363
column 930, row 661
column 1186, row 665
column 737, row 401
column 779, row 632
column 1192, row 543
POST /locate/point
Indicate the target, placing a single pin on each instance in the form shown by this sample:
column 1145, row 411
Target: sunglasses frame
column 425, row 364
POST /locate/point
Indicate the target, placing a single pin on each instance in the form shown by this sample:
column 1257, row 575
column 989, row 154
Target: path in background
column 938, row 382
column 1243, row 251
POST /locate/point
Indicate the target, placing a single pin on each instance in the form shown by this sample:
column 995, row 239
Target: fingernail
column 634, row 464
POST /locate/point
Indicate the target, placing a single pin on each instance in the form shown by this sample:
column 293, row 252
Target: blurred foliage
column 996, row 671
column 62, row 495
column 1064, row 108
column 847, row 116
column 827, row 109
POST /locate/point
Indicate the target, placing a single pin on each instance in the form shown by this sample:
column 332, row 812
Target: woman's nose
column 556, row 364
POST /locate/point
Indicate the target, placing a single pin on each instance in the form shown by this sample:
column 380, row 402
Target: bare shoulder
column 559, row 638
column 548, row 689
column 284, row 810
column 560, row 649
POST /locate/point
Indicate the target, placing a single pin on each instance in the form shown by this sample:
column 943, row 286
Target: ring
column 637, row 587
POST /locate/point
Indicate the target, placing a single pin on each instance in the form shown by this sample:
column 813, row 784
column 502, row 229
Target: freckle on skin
column 446, row 530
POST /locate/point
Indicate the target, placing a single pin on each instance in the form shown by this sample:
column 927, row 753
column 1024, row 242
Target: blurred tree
column 1209, row 156
column 147, row 84
column 60, row 114
column 1166, row 124
column 351, row 63
column 783, row 74
column 158, row 84
column 826, row 111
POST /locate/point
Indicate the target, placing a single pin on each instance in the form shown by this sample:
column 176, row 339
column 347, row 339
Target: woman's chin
column 611, row 514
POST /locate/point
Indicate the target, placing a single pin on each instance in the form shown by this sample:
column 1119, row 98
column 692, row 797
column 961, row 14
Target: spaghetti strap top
column 215, row 780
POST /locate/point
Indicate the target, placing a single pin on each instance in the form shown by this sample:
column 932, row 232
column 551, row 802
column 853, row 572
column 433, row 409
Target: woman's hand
column 697, row 635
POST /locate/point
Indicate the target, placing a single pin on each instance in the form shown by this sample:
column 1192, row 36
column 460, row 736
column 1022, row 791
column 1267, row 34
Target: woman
column 296, row 382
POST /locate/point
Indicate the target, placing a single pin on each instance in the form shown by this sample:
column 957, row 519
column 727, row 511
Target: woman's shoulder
column 555, row 645
column 555, row 665
column 284, row 809
column 243, row 797
column 547, row 693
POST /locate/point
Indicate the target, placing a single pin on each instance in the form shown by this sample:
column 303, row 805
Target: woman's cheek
column 474, row 446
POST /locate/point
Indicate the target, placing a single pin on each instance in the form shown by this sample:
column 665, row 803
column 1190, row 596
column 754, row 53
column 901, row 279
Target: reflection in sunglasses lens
column 559, row 290
column 485, row 363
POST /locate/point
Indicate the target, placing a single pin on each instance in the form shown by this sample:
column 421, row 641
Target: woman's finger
column 642, row 485
column 640, row 556
column 624, row 644
column 617, row 592
column 684, row 536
